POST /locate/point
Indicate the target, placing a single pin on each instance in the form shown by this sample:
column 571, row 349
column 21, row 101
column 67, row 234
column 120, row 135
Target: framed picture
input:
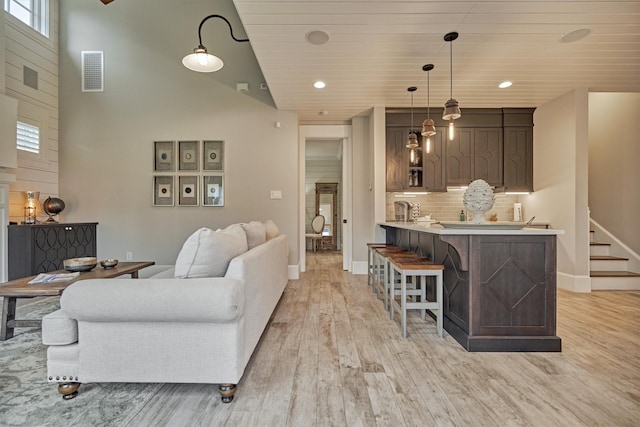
column 188, row 155
column 213, row 190
column 188, row 190
column 164, row 156
column 213, row 156
column 163, row 191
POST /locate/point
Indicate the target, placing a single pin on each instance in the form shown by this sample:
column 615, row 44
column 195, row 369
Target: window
column 28, row 138
column 34, row 13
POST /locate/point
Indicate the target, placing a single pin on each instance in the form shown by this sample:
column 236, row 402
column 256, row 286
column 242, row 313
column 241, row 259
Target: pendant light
column 428, row 126
column 412, row 142
column 451, row 107
column 201, row 60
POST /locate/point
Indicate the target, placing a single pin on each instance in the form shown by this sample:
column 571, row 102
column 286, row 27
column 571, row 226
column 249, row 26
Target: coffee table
column 20, row 288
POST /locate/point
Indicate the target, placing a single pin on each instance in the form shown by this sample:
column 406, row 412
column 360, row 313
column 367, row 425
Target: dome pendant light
column 451, row 107
column 412, row 142
column 428, row 126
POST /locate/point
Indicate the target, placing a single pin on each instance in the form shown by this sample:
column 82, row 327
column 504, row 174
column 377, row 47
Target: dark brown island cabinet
column 499, row 285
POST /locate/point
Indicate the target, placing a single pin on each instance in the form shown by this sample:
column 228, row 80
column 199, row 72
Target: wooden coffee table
column 20, row 288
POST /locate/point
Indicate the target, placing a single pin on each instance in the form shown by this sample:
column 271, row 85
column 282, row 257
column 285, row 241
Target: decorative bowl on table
column 80, row 264
column 108, row 263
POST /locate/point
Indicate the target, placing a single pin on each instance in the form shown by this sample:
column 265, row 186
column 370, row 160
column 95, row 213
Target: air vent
column 30, row 77
column 92, row 71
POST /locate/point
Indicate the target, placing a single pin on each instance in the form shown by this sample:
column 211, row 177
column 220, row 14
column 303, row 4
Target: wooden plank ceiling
column 376, row 49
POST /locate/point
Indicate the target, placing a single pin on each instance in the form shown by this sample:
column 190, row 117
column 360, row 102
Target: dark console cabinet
column 40, row 248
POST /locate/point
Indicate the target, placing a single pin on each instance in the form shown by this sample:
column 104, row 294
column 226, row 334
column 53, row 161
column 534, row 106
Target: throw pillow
column 256, row 233
column 207, row 253
column 271, row 229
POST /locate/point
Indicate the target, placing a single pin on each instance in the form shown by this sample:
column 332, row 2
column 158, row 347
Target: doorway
column 325, row 152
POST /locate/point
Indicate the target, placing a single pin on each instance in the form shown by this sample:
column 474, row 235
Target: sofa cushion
column 271, row 229
column 206, row 253
column 256, row 233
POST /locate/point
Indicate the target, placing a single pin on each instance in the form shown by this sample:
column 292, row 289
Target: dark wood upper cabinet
column 493, row 144
column 433, row 169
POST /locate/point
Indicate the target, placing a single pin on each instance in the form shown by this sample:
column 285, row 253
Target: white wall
column 23, row 46
column 614, row 175
column 106, row 138
column 560, row 152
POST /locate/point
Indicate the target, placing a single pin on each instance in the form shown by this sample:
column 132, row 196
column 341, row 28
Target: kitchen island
column 499, row 284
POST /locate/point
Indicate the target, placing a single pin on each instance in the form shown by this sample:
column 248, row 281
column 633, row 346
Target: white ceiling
column 377, row 49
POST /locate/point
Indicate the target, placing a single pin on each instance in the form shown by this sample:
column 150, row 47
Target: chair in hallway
column 317, row 225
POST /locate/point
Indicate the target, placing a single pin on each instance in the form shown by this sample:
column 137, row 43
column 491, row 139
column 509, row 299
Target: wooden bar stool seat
column 372, row 269
column 379, row 261
column 416, row 268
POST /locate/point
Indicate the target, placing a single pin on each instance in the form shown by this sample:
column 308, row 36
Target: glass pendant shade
column 451, row 110
column 412, row 141
column 428, row 128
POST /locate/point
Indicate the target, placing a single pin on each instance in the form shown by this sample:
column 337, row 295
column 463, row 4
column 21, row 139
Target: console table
column 41, row 248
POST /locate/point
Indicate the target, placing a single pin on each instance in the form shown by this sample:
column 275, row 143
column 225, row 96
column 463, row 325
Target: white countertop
column 435, row 228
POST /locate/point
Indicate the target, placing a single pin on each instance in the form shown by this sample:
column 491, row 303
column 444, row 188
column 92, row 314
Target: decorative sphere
column 53, row 206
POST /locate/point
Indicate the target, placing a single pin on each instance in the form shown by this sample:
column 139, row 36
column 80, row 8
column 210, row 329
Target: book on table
column 53, row 278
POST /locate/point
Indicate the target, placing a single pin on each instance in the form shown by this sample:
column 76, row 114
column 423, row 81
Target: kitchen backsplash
column 447, row 206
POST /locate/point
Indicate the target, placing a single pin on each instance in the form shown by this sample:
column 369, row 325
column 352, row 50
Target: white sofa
column 163, row 329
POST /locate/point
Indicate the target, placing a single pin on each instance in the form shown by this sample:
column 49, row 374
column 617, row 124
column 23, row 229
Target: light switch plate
column 276, row 194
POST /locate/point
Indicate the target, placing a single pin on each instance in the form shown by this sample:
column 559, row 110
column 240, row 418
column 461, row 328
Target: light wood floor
column 331, row 356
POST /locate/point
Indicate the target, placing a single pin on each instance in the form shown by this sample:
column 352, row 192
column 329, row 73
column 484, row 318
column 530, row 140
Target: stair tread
column 607, row 258
column 614, row 274
column 599, row 244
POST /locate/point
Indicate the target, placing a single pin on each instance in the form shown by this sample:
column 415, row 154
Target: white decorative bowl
column 80, row 264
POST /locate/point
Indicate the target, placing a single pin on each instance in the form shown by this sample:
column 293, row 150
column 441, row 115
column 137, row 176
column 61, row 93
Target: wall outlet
column 276, row 194
column 129, row 256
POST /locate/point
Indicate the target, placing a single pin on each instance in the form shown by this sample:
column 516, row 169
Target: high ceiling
column 376, row 49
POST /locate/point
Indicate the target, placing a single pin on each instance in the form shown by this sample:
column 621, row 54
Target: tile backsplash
column 447, row 206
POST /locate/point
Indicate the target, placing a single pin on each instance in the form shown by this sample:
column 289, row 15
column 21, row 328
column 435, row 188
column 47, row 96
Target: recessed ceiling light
column 319, row 84
column 323, row 113
column 576, row 35
column 504, row 85
column 317, row 37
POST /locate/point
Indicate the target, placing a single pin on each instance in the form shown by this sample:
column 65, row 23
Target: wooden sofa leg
column 227, row 391
column 68, row 390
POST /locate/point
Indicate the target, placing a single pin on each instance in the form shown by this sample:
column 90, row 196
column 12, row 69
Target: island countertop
column 489, row 229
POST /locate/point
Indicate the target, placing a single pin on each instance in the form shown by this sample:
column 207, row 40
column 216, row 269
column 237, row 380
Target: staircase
column 609, row 272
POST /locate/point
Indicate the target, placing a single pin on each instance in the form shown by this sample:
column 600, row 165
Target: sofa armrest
column 59, row 329
column 203, row 300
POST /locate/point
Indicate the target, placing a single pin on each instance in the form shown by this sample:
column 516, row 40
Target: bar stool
column 422, row 268
column 371, row 267
column 379, row 263
column 387, row 276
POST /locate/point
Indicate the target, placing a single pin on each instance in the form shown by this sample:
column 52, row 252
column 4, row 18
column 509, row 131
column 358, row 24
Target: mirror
column 327, row 206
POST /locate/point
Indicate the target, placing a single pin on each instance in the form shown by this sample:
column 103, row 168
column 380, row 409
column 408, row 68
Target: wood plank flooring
column 332, row 357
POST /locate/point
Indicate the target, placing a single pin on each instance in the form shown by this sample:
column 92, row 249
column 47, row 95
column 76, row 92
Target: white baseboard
column 359, row 267
column 294, row 272
column 615, row 283
column 573, row 283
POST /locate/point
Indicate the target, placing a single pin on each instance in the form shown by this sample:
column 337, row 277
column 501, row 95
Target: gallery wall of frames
column 188, row 173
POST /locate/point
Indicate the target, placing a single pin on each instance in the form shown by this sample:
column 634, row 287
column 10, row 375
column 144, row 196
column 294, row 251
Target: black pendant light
column 451, row 107
column 412, row 142
column 428, row 126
